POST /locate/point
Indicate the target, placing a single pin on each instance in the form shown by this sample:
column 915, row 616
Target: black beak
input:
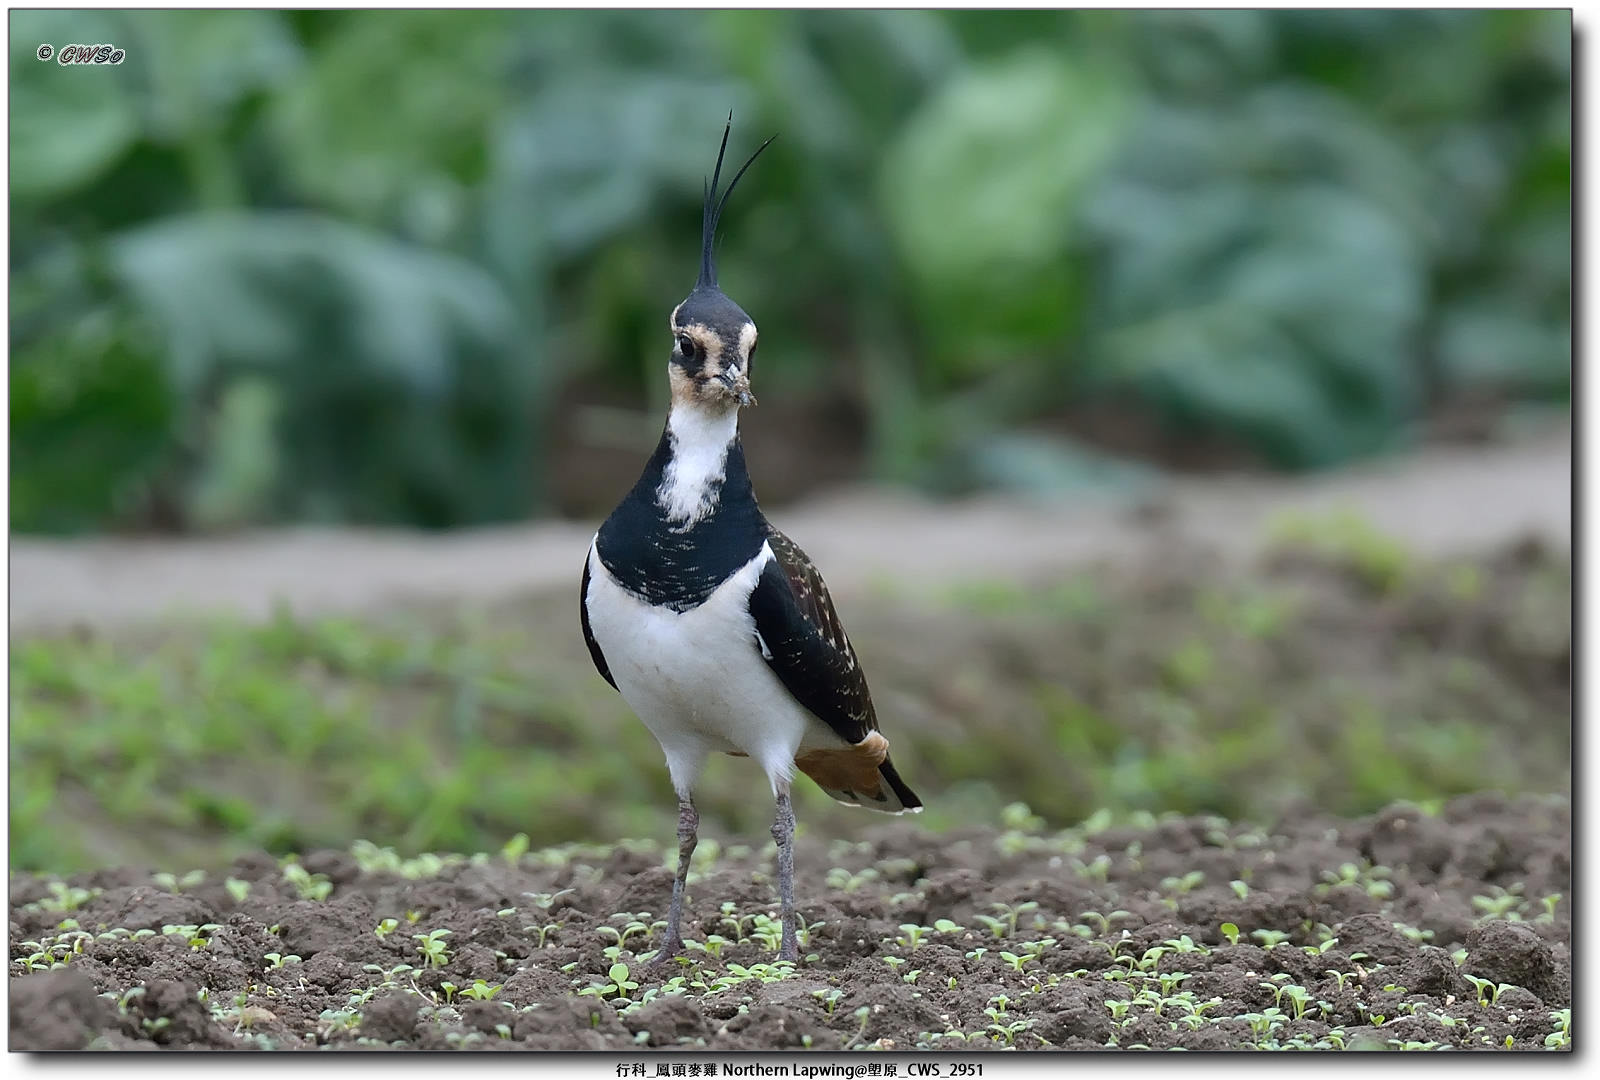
column 738, row 387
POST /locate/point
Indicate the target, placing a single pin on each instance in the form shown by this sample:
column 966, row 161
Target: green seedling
column 829, row 999
column 713, row 944
column 634, row 928
column 1270, row 939
column 174, row 884
column 278, row 960
column 1561, row 1037
column 1170, row 981
column 385, row 928
column 1488, row 990
column 1185, row 884
column 1265, row 1022
column 63, row 897
column 1549, row 904
column 1501, row 904
column 432, row 947
column 1299, row 999
column 1008, row 917
column 845, row 881
column 1231, row 932
column 997, row 927
column 481, row 991
column 1008, row 1033
column 912, row 936
column 515, row 848
column 740, row 925
column 1097, row 870
column 768, row 932
column 309, row 886
column 863, row 1016
column 237, row 889
column 945, row 926
column 618, row 985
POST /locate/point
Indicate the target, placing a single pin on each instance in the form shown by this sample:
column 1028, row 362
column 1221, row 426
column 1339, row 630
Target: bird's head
column 713, row 340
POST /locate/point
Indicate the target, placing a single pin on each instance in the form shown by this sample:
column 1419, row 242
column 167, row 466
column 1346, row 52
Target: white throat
column 692, row 480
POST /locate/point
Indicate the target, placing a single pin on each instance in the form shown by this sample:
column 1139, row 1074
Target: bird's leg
column 783, row 833
column 688, row 833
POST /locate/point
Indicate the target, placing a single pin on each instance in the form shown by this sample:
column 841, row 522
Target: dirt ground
column 1400, row 930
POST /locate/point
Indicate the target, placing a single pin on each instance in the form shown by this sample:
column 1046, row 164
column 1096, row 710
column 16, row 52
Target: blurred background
column 412, row 269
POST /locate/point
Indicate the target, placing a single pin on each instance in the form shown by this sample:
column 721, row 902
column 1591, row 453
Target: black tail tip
column 907, row 797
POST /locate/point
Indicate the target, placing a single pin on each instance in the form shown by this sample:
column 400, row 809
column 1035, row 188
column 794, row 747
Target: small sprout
column 911, row 935
column 385, row 928
column 515, row 848
column 1501, row 904
column 1231, row 932
column 278, row 960
column 309, row 886
column 481, row 990
column 945, row 926
column 432, row 947
column 1185, row 884
column 1240, row 889
column 1270, row 939
column 863, row 1015
column 237, row 889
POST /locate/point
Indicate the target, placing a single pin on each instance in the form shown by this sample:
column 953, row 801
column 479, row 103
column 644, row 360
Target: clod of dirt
column 57, row 1011
column 392, row 1017
column 1509, row 952
column 1376, row 936
column 569, row 1023
column 342, row 926
column 148, row 908
column 175, row 1016
column 667, row 1019
column 775, row 1027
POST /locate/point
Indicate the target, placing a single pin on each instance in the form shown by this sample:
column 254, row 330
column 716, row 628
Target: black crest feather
column 711, row 213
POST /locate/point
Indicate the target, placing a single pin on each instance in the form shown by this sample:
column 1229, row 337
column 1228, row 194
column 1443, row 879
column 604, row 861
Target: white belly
column 697, row 678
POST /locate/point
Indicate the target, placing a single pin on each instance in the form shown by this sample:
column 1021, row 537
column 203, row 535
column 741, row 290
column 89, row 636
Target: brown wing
column 807, row 645
column 804, row 643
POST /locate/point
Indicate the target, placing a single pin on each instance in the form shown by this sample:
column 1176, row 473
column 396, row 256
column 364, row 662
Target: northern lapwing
column 713, row 625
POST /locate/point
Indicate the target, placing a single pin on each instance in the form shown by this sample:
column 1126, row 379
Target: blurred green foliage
column 335, row 266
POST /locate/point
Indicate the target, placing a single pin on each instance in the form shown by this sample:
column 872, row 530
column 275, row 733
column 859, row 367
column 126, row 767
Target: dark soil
column 1403, row 906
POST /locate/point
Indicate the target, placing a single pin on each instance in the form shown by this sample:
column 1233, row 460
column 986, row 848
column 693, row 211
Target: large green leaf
column 68, row 124
column 981, row 190
column 989, row 172
column 268, row 290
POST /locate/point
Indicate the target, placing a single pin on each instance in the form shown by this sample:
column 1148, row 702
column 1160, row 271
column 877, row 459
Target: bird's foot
column 666, row 957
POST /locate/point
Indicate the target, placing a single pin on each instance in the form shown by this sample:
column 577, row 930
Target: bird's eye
column 686, row 346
